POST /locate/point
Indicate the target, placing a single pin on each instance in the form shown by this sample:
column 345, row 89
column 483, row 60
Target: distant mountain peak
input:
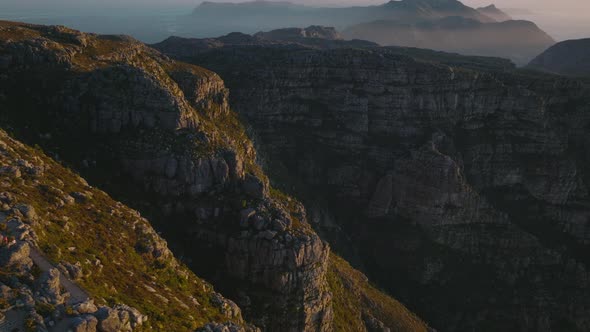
column 494, row 12
column 492, row 6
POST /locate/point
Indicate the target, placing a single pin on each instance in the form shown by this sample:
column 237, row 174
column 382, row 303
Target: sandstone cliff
column 464, row 191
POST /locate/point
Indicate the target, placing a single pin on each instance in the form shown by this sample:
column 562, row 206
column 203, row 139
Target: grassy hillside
column 356, row 301
column 122, row 259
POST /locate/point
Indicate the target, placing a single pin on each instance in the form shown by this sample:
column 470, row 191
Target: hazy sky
column 562, row 19
column 532, row 4
column 573, row 6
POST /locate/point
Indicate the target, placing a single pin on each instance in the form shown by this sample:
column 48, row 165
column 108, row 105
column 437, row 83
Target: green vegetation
column 105, row 237
column 44, row 309
column 353, row 296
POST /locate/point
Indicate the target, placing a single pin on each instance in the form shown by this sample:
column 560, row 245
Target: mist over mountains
column 267, row 166
column 446, row 25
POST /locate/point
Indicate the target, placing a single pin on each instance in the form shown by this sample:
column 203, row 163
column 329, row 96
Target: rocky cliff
column 77, row 260
column 146, row 124
column 464, row 191
column 159, row 135
column 569, row 58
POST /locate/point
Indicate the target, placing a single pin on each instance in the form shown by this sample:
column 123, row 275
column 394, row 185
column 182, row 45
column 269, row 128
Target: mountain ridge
column 516, row 40
column 159, row 135
column 568, row 58
column 431, row 170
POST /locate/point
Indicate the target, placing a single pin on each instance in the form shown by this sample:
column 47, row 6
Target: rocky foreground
column 159, row 135
column 78, row 260
column 459, row 183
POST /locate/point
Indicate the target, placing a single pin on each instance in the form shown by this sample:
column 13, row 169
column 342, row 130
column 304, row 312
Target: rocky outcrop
column 163, row 133
column 447, row 180
column 38, row 228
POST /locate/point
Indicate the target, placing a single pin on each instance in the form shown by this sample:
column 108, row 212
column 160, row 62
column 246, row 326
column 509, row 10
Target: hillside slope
column 569, row 58
column 102, row 245
column 159, row 135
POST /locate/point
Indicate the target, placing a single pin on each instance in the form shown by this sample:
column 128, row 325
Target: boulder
column 48, row 287
column 27, row 211
column 136, row 318
column 87, row 323
column 255, row 187
column 86, row 307
column 73, row 271
column 16, row 257
column 111, row 320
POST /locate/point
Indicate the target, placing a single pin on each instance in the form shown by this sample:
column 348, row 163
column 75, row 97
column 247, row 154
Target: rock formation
column 110, row 258
column 464, row 191
column 159, row 135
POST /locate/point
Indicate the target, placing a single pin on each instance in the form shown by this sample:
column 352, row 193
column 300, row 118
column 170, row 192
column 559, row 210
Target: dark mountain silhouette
column 570, row 58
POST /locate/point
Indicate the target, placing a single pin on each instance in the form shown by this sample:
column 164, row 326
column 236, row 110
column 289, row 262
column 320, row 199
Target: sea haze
column 152, row 22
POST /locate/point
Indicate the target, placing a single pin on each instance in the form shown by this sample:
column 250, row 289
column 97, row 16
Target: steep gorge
column 462, row 189
column 159, row 135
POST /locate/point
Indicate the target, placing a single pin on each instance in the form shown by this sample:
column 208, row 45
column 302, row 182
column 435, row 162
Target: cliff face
column 466, row 189
column 159, row 135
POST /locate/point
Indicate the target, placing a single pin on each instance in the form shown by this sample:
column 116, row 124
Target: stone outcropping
column 163, row 133
column 449, row 182
column 40, row 226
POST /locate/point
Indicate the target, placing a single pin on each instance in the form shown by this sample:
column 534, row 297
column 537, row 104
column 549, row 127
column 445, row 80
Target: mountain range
column 83, row 111
column 446, row 25
column 456, row 183
column 294, row 180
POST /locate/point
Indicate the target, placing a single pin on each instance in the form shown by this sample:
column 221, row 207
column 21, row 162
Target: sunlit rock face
column 159, row 135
